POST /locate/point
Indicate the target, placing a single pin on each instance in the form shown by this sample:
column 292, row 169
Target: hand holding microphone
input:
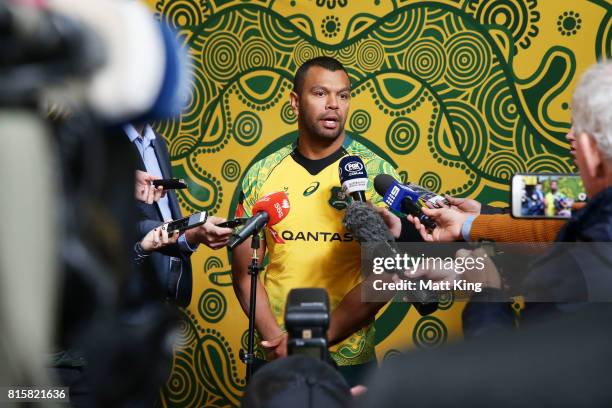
column 401, row 198
column 393, row 222
column 268, row 210
column 436, row 218
column 466, row 205
column 448, row 223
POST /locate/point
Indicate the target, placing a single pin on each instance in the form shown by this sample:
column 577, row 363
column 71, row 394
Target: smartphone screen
column 547, row 195
column 192, row 221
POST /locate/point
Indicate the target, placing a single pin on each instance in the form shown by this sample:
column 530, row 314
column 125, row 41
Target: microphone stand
column 249, row 357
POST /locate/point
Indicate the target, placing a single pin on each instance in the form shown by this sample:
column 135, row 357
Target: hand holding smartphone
column 183, row 224
column 170, row 184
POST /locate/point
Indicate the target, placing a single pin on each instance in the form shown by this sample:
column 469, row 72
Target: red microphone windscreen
column 275, row 204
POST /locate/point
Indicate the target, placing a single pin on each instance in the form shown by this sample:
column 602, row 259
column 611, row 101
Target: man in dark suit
column 171, row 264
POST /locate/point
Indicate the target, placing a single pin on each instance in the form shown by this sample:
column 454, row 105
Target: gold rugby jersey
column 318, row 250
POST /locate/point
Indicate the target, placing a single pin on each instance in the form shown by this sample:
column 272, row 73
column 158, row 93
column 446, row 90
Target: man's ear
column 593, row 159
column 294, row 99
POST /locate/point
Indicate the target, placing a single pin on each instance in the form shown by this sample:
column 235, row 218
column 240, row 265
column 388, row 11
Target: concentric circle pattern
column 431, row 181
column 303, row 52
column 469, row 59
column 402, row 135
column 370, row 55
column 247, row 128
column 230, row 170
column 287, row 114
column 360, row 121
column 180, row 14
column 426, row 59
column 220, row 56
column 256, row 53
column 429, row 333
column 212, row 305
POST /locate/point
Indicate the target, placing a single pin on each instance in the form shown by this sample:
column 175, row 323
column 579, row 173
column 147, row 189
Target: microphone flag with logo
column 268, row 210
column 353, row 177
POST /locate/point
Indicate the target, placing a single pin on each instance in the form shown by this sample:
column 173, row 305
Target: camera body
column 307, row 321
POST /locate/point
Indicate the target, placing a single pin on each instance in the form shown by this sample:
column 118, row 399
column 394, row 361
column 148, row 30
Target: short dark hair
column 329, row 63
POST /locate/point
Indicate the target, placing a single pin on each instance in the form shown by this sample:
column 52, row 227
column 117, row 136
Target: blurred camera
column 307, row 320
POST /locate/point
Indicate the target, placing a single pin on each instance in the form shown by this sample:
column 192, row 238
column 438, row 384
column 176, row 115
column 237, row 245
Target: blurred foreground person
column 63, row 59
column 563, row 362
column 297, row 381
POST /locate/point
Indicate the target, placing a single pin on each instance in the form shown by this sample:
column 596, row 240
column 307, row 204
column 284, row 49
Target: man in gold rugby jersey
column 318, row 251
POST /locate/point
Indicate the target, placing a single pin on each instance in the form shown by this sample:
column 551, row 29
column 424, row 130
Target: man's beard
column 314, row 129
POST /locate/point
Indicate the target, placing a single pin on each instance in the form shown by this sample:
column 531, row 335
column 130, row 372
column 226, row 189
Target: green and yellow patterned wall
column 458, row 94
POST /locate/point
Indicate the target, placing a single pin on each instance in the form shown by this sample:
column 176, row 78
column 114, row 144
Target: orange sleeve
column 504, row 228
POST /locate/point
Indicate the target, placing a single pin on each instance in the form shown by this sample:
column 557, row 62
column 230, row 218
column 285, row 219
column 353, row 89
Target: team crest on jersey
column 337, row 199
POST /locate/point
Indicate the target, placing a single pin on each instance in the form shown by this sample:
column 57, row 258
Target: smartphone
column 170, row 184
column 194, row 220
column 236, row 222
column 546, row 195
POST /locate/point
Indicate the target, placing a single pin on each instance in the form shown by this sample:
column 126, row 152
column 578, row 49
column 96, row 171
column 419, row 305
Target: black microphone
column 253, row 225
column 367, row 226
column 401, row 198
column 353, row 177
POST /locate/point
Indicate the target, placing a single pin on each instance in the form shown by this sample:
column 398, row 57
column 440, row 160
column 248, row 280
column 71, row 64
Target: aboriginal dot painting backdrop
column 458, row 94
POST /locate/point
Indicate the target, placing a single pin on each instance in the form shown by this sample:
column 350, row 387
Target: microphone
column 367, row 226
column 268, row 210
column 353, row 177
column 401, row 198
column 422, row 196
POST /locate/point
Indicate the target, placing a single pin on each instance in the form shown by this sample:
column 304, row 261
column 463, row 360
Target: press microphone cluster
column 268, row 210
column 367, row 226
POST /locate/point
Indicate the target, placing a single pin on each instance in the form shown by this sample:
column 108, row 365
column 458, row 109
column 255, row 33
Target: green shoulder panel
column 258, row 173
